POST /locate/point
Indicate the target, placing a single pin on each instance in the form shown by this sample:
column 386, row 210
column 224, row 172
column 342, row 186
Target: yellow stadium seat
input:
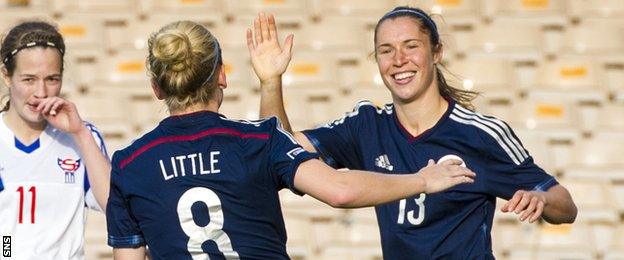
column 541, row 8
column 449, row 8
column 125, row 66
column 565, row 242
column 571, row 78
column 308, row 69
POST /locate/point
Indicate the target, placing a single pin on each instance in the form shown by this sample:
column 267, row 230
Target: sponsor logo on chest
column 383, row 162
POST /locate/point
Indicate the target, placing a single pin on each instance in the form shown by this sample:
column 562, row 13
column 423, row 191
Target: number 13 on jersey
column 420, row 202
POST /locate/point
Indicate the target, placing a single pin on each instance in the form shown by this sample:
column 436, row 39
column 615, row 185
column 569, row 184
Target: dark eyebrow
column 405, row 41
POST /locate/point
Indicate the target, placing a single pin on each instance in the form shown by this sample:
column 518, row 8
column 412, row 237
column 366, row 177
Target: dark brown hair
column 21, row 36
column 428, row 26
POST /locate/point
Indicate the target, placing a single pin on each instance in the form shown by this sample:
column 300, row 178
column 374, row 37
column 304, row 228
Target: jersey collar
column 191, row 118
column 424, row 135
column 7, row 136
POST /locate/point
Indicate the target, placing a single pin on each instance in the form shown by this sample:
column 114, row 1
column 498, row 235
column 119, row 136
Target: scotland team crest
column 69, row 166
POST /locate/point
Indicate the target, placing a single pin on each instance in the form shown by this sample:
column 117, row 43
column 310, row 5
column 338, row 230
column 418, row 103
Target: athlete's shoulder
column 121, row 157
column 363, row 110
column 496, row 135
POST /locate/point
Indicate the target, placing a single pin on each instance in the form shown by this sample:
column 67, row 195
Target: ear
column 160, row 95
column 5, row 77
column 438, row 53
column 222, row 83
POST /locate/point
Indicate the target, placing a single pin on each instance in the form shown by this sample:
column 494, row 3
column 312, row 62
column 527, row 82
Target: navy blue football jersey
column 454, row 224
column 202, row 184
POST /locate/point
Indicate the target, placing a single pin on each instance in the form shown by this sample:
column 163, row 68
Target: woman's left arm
column 64, row 116
column 555, row 205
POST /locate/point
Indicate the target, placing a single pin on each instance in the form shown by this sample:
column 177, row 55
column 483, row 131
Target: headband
column 420, row 14
column 214, row 66
column 30, row 45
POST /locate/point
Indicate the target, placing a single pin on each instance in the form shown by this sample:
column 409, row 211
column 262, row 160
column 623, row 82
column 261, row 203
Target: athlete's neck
column 26, row 132
column 421, row 114
column 211, row 106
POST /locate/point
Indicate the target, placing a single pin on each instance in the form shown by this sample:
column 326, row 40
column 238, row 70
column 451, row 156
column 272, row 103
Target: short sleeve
column 123, row 229
column 285, row 156
column 90, row 200
column 510, row 167
column 337, row 142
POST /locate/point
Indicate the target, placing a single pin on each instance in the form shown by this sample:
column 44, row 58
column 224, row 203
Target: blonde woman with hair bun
column 202, row 186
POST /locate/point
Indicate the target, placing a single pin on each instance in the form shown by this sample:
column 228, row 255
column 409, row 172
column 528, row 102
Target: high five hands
column 268, row 58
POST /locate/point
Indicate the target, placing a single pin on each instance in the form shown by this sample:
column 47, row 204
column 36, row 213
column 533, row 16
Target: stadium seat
column 592, row 197
column 278, row 7
column 597, row 36
column 574, row 77
column 511, row 36
column 447, row 8
column 240, row 103
column 125, row 66
column 606, row 149
column 593, row 8
column 530, row 8
column 311, row 107
column 360, row 8
column 333, row 34
column 615, row 251
column 81, row 31
column 93, row 6
column 513, row 238
column 500, row 75
column 186, row 7
column 565, row 242
column 308, row 69
column 11, row 16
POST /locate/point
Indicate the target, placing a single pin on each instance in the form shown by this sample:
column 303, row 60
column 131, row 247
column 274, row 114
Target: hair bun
column 173, row 48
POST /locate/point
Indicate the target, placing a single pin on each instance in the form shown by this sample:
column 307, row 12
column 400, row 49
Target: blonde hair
column 183, row 60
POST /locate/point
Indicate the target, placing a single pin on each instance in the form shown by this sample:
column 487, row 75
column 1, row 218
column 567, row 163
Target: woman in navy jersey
column 202, row 186
column 52, row 164
column 427, row 119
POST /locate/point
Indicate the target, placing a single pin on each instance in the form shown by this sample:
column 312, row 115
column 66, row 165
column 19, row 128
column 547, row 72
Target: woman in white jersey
column 46, row 151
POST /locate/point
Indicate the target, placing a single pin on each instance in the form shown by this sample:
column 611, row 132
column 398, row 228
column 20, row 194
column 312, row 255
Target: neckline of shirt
column 8, row 136
column 422, row 136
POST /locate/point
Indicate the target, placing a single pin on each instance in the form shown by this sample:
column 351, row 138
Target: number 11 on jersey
column 420, row 201
column 33, row 193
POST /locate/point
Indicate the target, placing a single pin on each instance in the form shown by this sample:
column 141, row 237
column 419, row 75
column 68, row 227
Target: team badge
column 69, row 166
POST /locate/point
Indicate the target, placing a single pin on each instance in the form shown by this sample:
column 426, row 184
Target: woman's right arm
column 353, row 189
column 269, row 62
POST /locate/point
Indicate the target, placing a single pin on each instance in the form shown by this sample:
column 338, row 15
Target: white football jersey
column 42, row 206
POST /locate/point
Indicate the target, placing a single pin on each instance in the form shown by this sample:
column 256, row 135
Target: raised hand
column 528, row 204
column 61, row 114
column 268, row 58
column 446, row 174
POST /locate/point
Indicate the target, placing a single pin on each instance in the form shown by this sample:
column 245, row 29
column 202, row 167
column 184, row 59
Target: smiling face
column 37, row 75
column 405, row 58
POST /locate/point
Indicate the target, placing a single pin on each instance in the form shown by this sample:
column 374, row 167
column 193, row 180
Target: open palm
column 268, row 58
